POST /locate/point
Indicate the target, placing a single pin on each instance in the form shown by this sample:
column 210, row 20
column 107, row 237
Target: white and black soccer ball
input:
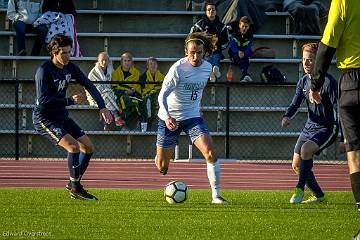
column 176, row 192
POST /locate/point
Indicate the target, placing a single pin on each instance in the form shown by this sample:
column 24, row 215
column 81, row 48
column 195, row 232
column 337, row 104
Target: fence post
column 17, row 119
column 229, row 77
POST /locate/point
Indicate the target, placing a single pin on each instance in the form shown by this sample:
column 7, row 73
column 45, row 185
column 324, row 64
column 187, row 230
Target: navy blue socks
column 305, row 169
column 84, row 159
column 74, row 166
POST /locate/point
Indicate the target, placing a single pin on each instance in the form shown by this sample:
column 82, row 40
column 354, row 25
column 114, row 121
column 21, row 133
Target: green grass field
column 144, row 214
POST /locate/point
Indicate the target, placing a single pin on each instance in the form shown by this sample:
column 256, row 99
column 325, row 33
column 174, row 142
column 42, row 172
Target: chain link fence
column 243, row 118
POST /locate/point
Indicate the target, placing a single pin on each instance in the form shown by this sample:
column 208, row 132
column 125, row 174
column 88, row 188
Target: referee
column 342, row 35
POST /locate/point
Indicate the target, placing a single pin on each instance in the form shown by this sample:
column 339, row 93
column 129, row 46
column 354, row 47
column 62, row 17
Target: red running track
column 143, row 175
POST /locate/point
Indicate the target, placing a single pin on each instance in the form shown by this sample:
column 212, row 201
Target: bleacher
column 145, row 29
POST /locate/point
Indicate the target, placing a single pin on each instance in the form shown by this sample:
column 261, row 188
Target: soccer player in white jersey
column 179, row 108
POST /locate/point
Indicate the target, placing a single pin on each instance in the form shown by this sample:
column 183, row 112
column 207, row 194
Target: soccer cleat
column 78, row 192
column 219, row 200
column 216, row 71
column 313, row 199
column 298, row 195
column 358, row 207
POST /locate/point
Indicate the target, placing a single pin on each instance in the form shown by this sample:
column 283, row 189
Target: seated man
column 150, row 92
column 128, row 94
column 102, row 72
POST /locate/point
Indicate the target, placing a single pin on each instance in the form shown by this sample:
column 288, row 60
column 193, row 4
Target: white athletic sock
column 213, row 172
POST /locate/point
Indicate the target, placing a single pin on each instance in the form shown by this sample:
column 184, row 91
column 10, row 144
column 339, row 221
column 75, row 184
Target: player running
column 51, row 118
column 320, row 131
column 179, row 108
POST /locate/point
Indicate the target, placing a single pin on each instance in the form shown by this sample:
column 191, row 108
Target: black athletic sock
column 74, row 166
column 355, row 185
column 305, row 169
column 313, row 185
column 84, row 159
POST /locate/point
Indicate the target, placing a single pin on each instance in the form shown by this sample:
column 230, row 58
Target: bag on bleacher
column 271, row 74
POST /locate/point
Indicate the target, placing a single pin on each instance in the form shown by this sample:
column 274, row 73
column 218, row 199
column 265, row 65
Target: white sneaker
column 247, row 78
column 219, row 200
column 216, row 71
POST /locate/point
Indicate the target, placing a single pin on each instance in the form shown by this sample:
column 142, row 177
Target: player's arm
column 295, row 104
column 167, row 88
column 329, row 42
column 95, row 94
column 90, row 87
column 43, row 98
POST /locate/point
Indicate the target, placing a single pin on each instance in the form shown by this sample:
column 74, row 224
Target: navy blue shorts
column 322, row 136
column 56, row 130
column 193, row 127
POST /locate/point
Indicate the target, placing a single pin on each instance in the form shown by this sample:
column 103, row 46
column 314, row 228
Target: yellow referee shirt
column 342, row 32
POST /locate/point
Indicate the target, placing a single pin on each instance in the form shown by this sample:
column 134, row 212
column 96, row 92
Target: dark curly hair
column 57, row 42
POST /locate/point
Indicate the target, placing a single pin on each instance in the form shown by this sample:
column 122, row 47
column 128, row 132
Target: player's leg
column 199, row 135
column 162, row 159
column 350, row 120
column 166, row 141
column 320, row 140
column 85, row 150
column 298, row 194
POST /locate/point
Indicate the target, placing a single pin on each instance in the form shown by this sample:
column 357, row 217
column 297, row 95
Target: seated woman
column 128, row 94
column 150, row 92
column 102, row 72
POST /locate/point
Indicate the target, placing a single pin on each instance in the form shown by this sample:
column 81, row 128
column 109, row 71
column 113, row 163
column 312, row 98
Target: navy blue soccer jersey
column 51, row 85
column 323, row 114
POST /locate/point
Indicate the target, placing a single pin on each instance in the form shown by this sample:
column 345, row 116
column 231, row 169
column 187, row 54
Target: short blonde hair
column 310, row 47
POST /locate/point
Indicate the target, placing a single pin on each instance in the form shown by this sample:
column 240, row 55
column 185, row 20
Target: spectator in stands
column 320, row 131
column 241, row 47
column 210, row 23
column 51, row 118
column 128, row 94
column 306, row 15
column 149, row 91
column 59, row 17
column 102, row 72
column 23, row 14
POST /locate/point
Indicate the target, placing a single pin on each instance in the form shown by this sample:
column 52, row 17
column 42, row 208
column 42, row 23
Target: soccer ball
column 175, row 192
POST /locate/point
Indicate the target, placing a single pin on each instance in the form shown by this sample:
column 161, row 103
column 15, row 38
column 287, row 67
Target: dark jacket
column 216, row 27
column 63, row 6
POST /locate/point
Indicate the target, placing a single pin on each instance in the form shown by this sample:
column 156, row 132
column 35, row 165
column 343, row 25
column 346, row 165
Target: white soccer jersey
column 182, row 90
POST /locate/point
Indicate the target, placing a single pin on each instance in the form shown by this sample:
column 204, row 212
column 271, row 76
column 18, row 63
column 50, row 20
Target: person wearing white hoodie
column 23, row 14
column 102, row 72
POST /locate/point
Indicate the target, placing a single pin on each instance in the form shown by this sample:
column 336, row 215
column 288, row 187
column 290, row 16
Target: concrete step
column 284, row 46
column 25, row 67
